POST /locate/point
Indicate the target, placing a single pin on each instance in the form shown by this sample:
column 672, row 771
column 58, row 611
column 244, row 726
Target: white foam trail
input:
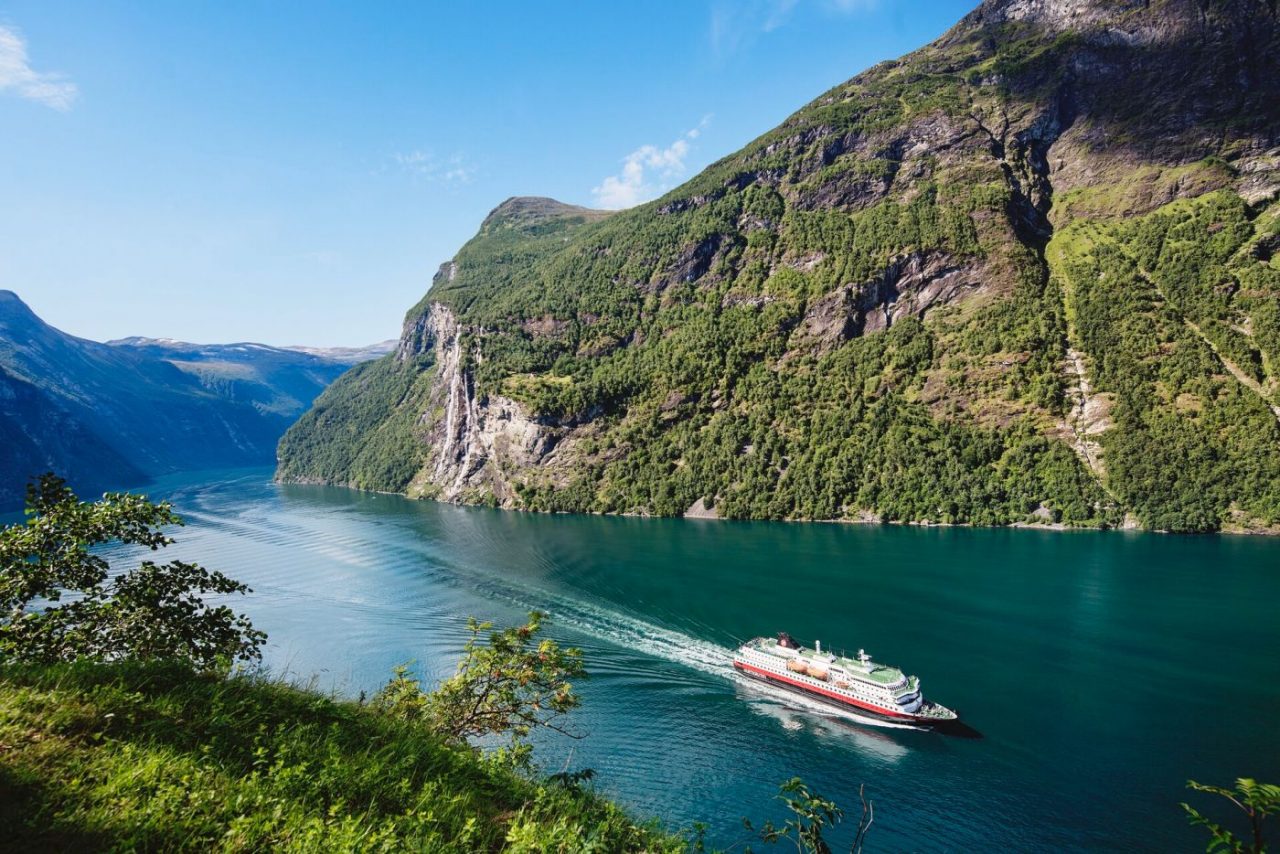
column 633, row 633
column 706, row 657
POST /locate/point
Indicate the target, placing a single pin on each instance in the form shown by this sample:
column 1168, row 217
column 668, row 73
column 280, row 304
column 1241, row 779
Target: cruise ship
column 853, row 683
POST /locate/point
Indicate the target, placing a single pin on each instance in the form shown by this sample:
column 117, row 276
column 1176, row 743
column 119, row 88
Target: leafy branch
column 153, row 612
column 510, row 683
column 1256, row 800
column 812, row 814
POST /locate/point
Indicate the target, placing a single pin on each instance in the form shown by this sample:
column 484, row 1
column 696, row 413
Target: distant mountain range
column 116, row 414
column 1027, row 274
column 275, row 380
column 350, row 355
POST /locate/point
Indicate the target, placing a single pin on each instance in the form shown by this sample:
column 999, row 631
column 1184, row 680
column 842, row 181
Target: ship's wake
column 600, row 621
column 628, row 631
column 618, row 628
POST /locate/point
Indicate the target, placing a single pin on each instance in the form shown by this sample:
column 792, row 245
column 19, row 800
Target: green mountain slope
column 1024, row 274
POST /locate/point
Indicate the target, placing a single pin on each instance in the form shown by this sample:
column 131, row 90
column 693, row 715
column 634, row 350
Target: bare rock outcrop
column 479, row 446
column 909, row 286
column 1088, row 416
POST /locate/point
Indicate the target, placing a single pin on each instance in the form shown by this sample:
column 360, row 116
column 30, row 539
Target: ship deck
column 872, row 671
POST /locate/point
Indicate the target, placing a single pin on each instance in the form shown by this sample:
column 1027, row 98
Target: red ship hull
column 827, row 696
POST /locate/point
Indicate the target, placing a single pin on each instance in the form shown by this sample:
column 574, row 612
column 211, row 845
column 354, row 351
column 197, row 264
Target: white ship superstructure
column 857, row 682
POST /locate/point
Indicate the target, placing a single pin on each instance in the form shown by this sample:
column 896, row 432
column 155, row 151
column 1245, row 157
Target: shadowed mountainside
column 112, row 415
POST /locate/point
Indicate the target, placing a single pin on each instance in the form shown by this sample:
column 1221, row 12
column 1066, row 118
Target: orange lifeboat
column 797, row 666
column 817, row 672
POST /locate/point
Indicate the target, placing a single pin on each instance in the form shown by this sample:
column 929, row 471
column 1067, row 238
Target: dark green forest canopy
column 1025, row 274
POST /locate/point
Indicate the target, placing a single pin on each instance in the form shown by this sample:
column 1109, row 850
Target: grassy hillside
column 132, row 756
column 879, row 308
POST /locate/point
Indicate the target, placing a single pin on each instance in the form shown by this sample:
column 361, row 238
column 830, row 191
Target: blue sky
column 294, row 173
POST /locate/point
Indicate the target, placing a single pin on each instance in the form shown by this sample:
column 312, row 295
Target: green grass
column 155, row 757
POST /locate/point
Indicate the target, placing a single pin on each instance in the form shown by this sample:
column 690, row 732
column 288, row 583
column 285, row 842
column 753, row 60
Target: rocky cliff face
column 464, row 444
column 909, row 286
column 1016, row 275
column 1136, row 81
column 473, row 443
column 1125, row 21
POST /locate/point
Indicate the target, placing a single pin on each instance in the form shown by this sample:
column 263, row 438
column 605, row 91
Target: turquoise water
column 1101, row 669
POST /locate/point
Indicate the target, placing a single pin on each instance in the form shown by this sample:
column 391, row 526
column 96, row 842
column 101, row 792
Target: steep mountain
column 1024, row 274
column 111, row 415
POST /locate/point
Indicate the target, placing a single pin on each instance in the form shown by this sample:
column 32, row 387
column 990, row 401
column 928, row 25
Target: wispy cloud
column 849, row 7
column 776, row 13
column 734, row 25
column 19, row 78
column 647, row 172
column 454, row 170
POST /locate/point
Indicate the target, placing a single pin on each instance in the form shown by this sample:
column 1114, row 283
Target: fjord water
column 1102, row 669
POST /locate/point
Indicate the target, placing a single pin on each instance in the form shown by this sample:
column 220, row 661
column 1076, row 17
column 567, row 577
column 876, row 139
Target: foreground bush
column 136, row 755
column 512, row 684
column 60, row 599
